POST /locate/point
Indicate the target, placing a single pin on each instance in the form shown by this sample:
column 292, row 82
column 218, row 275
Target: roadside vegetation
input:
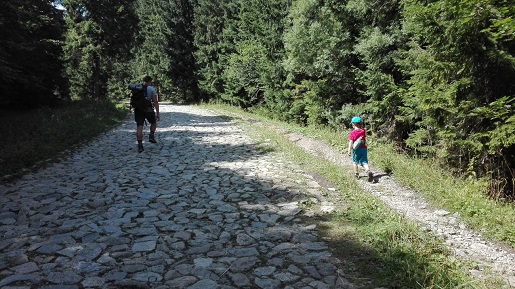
column 32, row 137
column 379, row 244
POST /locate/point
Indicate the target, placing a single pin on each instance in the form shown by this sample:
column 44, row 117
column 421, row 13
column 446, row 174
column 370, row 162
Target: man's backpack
column 139, row 99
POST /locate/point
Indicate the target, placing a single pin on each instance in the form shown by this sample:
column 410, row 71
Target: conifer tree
column 31, row 69
column 214, row 33
column 461, row 85
column 181, row 50
column 377, row 47
column 98, row 39
column 253, row 73
column 319, row 59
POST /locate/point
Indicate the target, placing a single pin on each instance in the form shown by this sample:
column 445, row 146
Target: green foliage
column 319, row 58
column 502, row 27
column 308, row 103
column 347, row 112
column 278, row 104
column 253, row 70
column 243, row 74
column 180, row 50
column 30, row 54
column 379, row 79
column 316, row 43
column 78, row 54
column 501, row 114
column 150, row 55
column 99, row 38
column 213, row 40
column 460, row 73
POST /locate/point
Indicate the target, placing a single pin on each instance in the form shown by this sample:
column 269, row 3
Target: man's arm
column 156, row 105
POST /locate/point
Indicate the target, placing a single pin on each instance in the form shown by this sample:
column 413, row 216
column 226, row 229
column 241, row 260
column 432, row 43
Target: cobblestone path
column 202, row 208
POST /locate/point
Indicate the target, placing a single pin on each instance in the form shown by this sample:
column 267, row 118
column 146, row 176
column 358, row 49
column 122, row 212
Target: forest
column 435, row 77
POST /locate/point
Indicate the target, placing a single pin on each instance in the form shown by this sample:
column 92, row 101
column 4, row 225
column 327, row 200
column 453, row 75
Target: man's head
column 147, row 79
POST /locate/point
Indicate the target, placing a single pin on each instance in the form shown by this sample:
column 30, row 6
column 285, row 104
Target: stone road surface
column 202, row 208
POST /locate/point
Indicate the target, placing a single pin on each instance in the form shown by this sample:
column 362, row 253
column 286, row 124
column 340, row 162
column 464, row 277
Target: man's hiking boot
column 356, row 175
column 370, row 176
column 152, row 139
column 140, row 147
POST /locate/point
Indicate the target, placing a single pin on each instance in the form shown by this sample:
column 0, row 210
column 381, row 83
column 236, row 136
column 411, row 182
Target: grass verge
column 376, row 245
column 30, row 138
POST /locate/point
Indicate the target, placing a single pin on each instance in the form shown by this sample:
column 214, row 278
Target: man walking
column 148, row 114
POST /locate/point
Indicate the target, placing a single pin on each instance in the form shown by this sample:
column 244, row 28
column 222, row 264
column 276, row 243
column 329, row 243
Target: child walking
column 358, row 148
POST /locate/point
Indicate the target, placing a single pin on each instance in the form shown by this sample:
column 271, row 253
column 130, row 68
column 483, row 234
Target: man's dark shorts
column 140, row 116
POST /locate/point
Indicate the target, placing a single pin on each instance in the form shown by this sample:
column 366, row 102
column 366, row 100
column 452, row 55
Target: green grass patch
column 34, row 136
column 377, row 246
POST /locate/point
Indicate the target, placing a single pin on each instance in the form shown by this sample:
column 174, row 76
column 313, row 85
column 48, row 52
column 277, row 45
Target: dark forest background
column 437, row 77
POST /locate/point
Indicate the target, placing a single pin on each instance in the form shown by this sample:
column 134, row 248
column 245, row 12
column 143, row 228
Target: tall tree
column 31, row 70
column 151, row 55
column 181, row 49
column 214, row 34
column 253, row 73
column 377, row 46
column 319, row 59
column 461, row 85
column 98, row 39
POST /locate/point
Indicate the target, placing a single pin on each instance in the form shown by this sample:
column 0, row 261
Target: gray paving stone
column 59, row 287
column 115, row 276
column 32, row 278
column 88, row 268
column 89, row 253
column 203, row 262
column 286, row 277
column 268, row 283
column 264, row 271
column 144, row 246
column 204, row 284
column 25, row 268
column 150, row 277
column 93, row 282
column 240, row 280
column 183, row 282
column 49, row 249
column 202, row 208
column 67, row 277
column 244, row 252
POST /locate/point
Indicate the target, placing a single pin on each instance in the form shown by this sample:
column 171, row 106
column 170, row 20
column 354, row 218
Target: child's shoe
column 370, row 176
column 356, row 175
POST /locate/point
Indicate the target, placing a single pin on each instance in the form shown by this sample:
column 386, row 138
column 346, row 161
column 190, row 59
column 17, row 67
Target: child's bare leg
column 369, row 173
